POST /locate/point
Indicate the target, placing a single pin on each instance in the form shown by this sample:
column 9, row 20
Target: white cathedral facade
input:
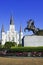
column 11, row 35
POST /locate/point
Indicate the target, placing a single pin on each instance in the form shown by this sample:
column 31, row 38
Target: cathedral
column 11, row 35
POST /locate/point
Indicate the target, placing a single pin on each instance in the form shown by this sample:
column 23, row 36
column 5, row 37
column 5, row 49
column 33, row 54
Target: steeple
column 2, row 30
column 11, row 20
column 20, row 28
column 20, row 35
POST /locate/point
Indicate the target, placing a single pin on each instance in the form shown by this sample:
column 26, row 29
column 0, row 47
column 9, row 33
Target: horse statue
column 31, row 27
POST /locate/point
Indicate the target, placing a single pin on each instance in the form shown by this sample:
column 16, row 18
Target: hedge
column 23, row 49
column 26, row 49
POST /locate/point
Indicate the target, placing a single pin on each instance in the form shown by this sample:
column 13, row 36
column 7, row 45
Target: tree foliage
column 19, row 45
column 10, row 44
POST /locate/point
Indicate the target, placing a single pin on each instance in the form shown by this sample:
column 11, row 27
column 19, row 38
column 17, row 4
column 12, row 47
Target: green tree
column 19, row 45
column 10, row 44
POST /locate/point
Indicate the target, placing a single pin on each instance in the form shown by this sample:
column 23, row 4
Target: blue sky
column 22, row 11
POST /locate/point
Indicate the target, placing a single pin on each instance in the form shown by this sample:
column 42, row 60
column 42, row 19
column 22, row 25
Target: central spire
column 11, row 20
column 2, row 30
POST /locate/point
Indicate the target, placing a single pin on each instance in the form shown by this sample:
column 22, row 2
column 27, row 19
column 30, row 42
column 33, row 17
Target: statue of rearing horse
column 31, row 27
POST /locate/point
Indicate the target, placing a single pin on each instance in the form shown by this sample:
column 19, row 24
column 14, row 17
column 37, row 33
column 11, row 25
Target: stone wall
column 33, row 40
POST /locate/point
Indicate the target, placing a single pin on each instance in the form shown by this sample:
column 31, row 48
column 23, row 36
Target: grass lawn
column 21, row 61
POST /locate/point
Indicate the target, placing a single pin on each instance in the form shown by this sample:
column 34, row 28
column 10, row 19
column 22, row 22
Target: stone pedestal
column 33, row 41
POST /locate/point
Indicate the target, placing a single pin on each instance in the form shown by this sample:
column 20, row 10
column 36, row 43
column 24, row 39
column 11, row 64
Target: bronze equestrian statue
column 31, row 27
